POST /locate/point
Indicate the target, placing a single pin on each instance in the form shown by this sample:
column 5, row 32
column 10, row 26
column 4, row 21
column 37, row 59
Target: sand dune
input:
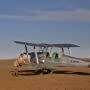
column 65, row 78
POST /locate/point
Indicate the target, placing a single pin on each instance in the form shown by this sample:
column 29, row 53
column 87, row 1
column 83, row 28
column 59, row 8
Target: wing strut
column 62, row 51
column 36, row 55
column 27, row 52
column 69, row 51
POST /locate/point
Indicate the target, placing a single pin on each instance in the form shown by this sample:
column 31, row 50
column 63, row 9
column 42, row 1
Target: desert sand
column 64, row 78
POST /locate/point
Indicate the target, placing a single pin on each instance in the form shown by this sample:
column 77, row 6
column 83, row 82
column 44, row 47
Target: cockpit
column 43, row 56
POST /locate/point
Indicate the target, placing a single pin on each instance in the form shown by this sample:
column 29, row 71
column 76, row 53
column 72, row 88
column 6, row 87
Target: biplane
column 43, row 58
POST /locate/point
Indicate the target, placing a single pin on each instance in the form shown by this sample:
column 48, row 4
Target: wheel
column 37, row 71
column 14, row 74
column 89, row 65
column 46, row 71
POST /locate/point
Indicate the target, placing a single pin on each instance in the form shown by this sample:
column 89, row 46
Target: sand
column 64, row 78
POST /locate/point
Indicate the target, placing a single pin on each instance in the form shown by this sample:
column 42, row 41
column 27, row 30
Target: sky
column 44, row 21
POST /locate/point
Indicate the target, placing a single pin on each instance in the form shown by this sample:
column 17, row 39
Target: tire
column 46, row 71
column 89, row 65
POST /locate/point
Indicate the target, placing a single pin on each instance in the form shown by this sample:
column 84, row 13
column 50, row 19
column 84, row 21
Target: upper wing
column 47, row 45
column 64, row 45
column 32, row 44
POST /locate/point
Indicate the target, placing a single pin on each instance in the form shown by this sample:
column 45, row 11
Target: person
column 47, row 54
column 56, row 56
column 19, row 61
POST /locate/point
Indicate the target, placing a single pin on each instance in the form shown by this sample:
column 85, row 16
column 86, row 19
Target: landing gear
column 89, row 66
column 14, row 73
column 45, row 71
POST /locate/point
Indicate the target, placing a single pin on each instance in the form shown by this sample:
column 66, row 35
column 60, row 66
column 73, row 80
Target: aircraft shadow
column 70, row 72
column 34, row 72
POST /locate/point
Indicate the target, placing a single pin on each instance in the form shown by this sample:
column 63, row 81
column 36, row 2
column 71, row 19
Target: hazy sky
column 50, row 21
